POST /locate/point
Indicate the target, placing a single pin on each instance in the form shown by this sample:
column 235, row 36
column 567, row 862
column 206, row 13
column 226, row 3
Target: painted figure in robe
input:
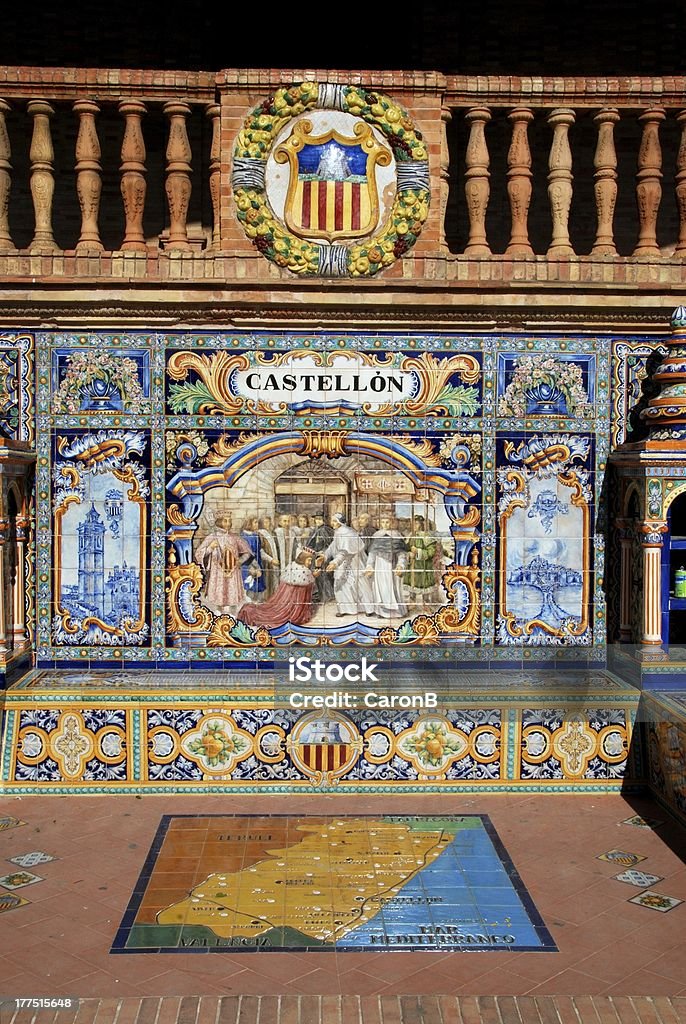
column 345, row 557
column 254, row 585
column 222, row 555
column 386, row 563
column 420, row 577
column 292, row 599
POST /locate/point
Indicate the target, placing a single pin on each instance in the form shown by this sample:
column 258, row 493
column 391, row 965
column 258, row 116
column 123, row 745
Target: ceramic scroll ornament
column 331, row 180
column 666, row 411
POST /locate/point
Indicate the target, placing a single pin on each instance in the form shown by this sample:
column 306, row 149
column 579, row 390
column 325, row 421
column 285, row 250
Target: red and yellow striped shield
column 334, row 208
column 332, row 189
column 324, row 757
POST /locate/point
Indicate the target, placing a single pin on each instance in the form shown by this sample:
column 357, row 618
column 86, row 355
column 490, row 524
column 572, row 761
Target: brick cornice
column 120, row 312
column 269, row 78
column 424, row 272
column 105, row 84
column 457, row 90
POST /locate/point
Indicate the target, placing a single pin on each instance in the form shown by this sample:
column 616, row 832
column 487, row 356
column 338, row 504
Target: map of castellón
column 345, row 883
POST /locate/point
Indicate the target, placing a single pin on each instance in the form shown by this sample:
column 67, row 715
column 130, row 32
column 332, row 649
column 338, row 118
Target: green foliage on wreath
column 410, row 208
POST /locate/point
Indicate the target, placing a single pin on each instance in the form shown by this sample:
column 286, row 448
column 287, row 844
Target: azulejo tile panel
column 545, row 520
column 219, row 497
column 241, row 883
column 75, row 745
column 664, row 722
column 194, row 740
column 573, row 743
column 100, row 514
column 17, row 395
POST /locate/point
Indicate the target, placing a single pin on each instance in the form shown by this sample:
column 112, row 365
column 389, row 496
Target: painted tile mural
column 16, row 386
column 103, row 381
column 403, row 882
column 664, row 719
column 221, row 496
column 544, row 518
column 100, row 538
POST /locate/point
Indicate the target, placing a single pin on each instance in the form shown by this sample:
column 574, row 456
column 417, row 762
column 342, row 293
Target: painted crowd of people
column 283, row 569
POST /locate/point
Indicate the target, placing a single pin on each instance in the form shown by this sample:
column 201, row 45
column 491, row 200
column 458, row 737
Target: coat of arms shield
column 332, row 189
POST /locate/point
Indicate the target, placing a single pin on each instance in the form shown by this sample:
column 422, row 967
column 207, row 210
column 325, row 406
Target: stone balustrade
column 596, row 144
column 565, row 180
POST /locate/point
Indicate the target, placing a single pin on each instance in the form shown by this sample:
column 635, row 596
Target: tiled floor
column 361, row 883
column 59, row 941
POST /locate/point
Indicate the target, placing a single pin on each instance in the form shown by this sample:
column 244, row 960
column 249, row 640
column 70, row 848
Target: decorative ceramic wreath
column 410, row 207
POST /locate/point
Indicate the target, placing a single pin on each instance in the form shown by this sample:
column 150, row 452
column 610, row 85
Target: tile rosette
column 574, row 744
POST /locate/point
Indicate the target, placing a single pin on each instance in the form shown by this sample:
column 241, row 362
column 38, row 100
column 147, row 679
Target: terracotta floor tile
column 670, row 965
column 499, row 982
column 570, row 982
column 282, row 967
column 316, row 982
column 390, row 1009
column 646, row 983
column 106, row 1011
column 93, row 984
column 353, row 961
column 666, row 1010
column 358, row 983
column 423, row 982
column 469, row 1009
column 605, row 943
column 402, row 965
column 623, row 1008
column 612, row 964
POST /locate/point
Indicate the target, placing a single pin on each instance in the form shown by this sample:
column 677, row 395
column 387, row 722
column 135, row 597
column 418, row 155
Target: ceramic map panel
column 357, row 883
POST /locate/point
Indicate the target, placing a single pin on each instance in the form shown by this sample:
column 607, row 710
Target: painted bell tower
column 92, row 562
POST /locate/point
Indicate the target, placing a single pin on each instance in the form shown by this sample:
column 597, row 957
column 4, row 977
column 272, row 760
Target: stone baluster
column 560, row 181
column 88, row 175
column 5, row 180
column 476, row 186
column 42, row 157
column 648, row 187
column 519, row 182
column 19, row 631
column 680, row 181
column 178, row 184
column 443, row 176
column 133, row 171
column 605, row 187
column 213, row 112
column 651, row 543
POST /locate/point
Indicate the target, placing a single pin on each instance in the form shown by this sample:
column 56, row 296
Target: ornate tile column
column 655, row 470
